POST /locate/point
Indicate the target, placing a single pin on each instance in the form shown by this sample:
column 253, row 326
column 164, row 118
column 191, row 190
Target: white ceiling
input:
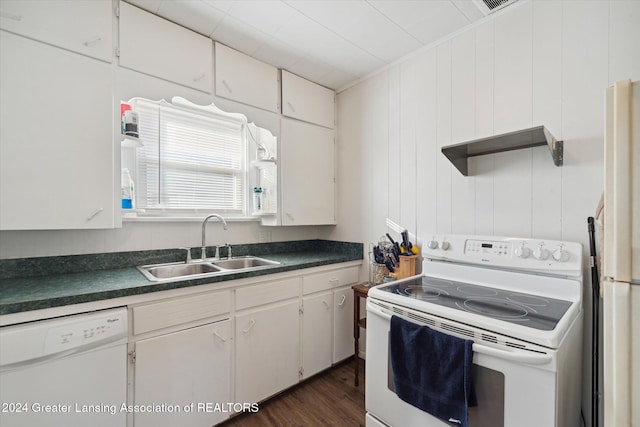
column 330, row 42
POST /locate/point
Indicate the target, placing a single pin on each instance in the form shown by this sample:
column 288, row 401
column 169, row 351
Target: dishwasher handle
column 8, row 367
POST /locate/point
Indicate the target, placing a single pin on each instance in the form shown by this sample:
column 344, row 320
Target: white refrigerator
column 621, row 255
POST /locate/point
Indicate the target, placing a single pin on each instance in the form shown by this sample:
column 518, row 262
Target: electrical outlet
column 264, row 236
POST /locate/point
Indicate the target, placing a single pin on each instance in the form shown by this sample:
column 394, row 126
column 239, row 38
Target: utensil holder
column 377, row 272
column 407, row 267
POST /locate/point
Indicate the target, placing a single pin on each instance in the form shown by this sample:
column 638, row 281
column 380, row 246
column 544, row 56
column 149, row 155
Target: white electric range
column 518, row 300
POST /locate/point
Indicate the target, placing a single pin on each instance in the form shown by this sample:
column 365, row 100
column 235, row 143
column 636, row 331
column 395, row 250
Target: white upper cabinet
column 77, row 25
column 160, row 48
column 307, row 174
column 307, row 101
column 56, row 138
column 247, row 80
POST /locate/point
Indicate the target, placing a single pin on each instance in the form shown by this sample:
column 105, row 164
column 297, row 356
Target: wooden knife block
column 407, row 266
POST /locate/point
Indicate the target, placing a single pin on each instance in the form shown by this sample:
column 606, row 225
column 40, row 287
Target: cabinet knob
column 92, row 42
column 93, row 215
column 251, row 323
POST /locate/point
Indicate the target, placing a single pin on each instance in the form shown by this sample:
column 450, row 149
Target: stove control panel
column 535, row 255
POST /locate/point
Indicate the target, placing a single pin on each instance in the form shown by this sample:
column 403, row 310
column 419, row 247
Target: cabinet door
column 155, row 46
column 267, row 351
column 244, row 79
column 78, row 25
column 342, row 324
column 307, row 101
column 307, row 171
column 316, row 333
column 183, row 368
column 56, row 138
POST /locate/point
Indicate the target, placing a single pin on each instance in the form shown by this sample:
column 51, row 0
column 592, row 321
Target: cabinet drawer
column 180, row 310
column 266, row 293
column 328, row 280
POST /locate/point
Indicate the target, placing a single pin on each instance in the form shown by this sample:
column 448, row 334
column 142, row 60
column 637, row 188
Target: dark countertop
column 61, row 281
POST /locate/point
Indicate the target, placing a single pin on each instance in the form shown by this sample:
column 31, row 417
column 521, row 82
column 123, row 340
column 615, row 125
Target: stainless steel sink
column 245, row 262
column 176, row 270
column 182, row 271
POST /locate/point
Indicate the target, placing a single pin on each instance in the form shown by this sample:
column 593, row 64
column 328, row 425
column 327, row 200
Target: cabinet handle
column 200, row 77
column 334, row 280
column 11, row 16
column 290, row 216
column 291, row 106
column 326, row 304
column 223, row 339
column 96, row 212
column 253, row 322
column 342, row 300
column 225, row 84
column 93, row 42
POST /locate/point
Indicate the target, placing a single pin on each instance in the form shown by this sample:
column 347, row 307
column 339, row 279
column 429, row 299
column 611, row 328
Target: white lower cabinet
column 187, row 351
column 181, row 355
column 316, row 333
column 267, row 351
column 342, row 324
column 327, row 318
column 184, row 368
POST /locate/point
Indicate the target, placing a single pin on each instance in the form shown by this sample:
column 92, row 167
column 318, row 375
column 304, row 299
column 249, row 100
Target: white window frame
column 210, row 112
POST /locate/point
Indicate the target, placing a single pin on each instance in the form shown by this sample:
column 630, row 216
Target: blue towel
column 432, row 370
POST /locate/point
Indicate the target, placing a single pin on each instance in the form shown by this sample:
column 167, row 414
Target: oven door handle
column 513, row 355
column 516, row 356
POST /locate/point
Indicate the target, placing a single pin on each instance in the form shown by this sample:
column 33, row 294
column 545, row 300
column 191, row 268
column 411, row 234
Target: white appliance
column 68, row 371
column 621, row 255
column 518, row 300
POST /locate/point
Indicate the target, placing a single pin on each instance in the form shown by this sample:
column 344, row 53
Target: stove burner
column 496, row 308
column 528, row 300
column 422, row 292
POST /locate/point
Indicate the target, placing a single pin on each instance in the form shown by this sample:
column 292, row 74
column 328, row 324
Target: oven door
column 515, row 382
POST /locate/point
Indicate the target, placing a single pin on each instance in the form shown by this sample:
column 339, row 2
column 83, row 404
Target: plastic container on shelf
column 257, row 199
column 127, row 190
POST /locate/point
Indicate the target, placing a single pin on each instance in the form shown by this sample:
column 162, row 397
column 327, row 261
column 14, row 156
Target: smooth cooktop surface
column 533, row 311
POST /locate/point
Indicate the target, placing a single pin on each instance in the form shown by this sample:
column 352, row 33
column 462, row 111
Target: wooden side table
column 359, row 291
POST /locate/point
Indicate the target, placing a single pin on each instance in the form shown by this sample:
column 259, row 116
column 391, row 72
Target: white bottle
column 127, row 190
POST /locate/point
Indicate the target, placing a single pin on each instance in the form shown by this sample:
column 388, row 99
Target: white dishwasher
column 67, row 371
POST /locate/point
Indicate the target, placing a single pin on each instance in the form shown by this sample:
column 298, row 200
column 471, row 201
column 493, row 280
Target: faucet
column 204, row 234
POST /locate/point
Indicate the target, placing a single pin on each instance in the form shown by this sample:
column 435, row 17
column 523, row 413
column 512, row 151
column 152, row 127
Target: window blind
column 189, row 160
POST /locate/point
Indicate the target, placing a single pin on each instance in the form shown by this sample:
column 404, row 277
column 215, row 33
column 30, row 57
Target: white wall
column 544, row 62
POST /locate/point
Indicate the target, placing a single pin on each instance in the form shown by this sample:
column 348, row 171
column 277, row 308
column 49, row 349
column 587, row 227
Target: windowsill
column 185, row 218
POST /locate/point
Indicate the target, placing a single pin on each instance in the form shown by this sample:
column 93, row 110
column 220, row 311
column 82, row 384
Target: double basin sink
column 197, row 269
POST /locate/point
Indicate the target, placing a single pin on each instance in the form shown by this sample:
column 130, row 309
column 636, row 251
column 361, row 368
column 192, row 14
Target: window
column 193, row 159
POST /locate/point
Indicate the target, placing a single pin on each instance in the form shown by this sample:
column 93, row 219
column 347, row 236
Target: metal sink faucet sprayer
column 204, row 234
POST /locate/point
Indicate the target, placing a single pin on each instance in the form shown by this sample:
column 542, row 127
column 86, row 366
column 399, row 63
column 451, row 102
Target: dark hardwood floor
column 327, row 399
